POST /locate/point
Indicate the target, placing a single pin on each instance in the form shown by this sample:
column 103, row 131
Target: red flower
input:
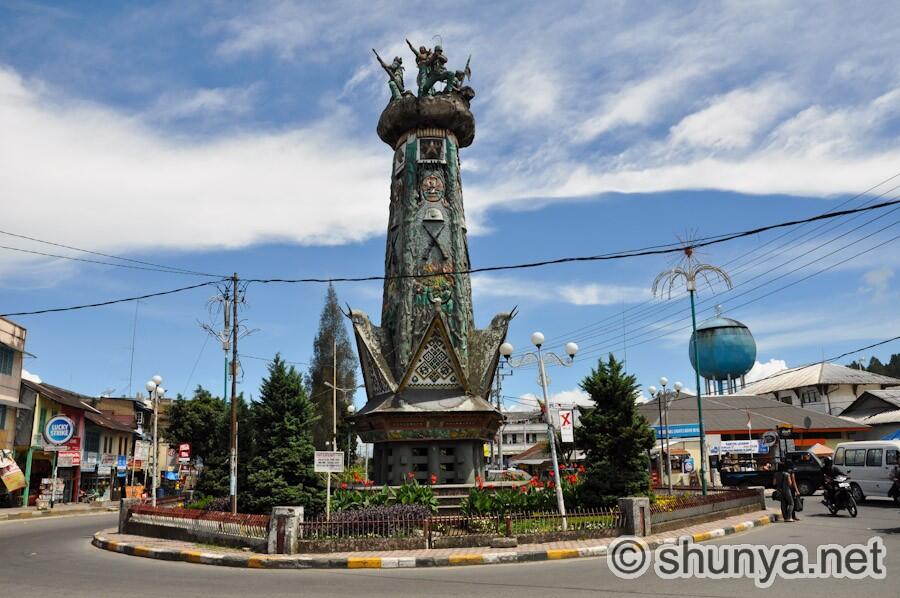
column 343, row 485
column 433, row 479
column 551, row 474
column 410, row 475
column 479, row 482
column 581, row 469
column 533, row 481
column 572, row 479
column 356, row 477
column 550, row 484
column 490, row 486
column 368, row 483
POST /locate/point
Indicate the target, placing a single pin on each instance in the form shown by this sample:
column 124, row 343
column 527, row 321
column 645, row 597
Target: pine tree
column 281, row 473
column 614, row 436
column 332, row 327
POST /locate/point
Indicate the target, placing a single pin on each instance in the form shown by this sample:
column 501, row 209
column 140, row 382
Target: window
column 419, row 451
column 855, row 457
column 809, row 396
column 892, row 457
column 839, row 456
column 447, row 451
column 6, row 360
column 2, row 416
column 873, row 457
column 92, row 441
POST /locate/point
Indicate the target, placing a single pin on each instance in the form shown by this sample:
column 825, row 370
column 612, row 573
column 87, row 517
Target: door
column 855, row 465
column 872, row 482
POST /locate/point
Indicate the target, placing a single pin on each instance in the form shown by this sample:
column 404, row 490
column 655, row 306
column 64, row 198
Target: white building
column 826, row 388
column 521, row 431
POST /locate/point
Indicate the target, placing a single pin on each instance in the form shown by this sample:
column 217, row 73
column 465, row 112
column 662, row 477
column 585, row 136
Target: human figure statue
column 395, row 76
column 436, row 71
column 422, row 55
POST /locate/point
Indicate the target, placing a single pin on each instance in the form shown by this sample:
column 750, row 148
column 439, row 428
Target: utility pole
column 333, row 421
column 234, row 366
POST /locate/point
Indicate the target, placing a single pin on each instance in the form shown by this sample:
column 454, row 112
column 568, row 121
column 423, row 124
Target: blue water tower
column 727, row 352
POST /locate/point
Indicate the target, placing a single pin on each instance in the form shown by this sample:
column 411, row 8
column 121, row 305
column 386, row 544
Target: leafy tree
column 204, row 421
column 282, row 473
column 614, row 436
column 891, row 368
column 332, row 328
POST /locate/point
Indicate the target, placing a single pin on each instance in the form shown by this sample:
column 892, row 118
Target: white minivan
column 870, row 464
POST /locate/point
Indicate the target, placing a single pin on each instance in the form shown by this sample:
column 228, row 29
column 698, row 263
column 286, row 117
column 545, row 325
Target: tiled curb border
column 41, row 514
column 260, row 561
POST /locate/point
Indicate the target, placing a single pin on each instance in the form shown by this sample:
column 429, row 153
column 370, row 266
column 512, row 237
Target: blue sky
column 228, row 137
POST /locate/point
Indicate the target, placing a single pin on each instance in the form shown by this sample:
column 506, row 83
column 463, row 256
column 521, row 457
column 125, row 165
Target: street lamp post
column 663, row 397
column 351, row 409
column 156, row 392
column 688, row 271
column 537, row 339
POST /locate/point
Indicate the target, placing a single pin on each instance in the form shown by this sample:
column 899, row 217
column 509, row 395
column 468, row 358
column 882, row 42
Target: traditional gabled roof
column 816, row 374
column 376, row 372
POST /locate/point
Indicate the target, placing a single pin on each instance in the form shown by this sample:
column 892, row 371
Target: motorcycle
column 894, row 492
column 841, row 497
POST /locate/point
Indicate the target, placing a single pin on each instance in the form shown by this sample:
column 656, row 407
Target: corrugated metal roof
column 812, row 375
column 889, row 395
column 729, row 413
column 61, row 395
column 105, row 422
column 885, row 417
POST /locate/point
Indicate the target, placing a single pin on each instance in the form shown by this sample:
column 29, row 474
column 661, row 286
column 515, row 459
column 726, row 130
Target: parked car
column 807, row 471
column 870, row 464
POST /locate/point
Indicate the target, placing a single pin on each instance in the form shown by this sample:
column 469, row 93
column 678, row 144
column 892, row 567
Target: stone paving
column 214, row 555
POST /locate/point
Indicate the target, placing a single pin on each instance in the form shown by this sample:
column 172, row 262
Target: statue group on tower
column 431, row 65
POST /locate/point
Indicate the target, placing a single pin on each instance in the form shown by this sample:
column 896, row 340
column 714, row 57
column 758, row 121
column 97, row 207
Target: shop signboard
column 329, row 462
column 184, row 452
column 743, row 447
column 678, row 431
column 59, row 430
column 141, row 450
column 104, row 470
column 12, row 476
column 68, row 459
column 121, row 465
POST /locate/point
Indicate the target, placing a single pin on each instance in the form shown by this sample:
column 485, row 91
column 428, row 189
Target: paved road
column 53, row 557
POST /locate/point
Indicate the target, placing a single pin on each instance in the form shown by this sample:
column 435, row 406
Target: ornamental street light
column 688, row 270
column 537, row 339
column 156, row 393
column 663, row 398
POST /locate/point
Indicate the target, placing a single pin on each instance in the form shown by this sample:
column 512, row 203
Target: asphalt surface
column 54, row 557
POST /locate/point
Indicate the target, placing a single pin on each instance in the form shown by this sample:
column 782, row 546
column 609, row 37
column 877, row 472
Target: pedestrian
column 785, row 486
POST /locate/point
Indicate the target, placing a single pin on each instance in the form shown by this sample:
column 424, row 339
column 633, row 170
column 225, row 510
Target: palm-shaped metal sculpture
column 688, row 270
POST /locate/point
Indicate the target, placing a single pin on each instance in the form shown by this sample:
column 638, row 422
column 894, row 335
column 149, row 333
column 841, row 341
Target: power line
column 89, row 251
column 610, row 256
column 90, row 261
column 112, row 301
column 271, row 360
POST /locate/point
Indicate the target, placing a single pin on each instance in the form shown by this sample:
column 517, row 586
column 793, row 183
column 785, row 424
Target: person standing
column 786, row 486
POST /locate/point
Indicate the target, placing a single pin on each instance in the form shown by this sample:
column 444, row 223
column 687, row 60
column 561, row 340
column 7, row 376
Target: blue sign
column 678, row 431
column 688, row 465
column 59, row 430
column 172, row 475
column 122, row 462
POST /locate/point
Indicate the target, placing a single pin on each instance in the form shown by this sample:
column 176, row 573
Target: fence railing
column 381, row 528
column 210, row 522
column 676, row 502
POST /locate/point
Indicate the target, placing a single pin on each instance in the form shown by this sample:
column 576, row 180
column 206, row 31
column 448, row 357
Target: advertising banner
column 12, row 476
column 567, row 425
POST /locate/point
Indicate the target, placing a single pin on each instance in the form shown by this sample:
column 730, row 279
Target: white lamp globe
column 537, row 339
column 678, row 386
column 571, row 349
column 351, row 409
column 663, row 381
column 652, row 391
column 160, row 391
column 506, row 349
column 151, row 385
column 157, row 379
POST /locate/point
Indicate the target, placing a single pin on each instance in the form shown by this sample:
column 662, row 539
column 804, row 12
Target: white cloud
column 65, row 162
column 26, row 375
column 766, row 369
column 734, row 120
column 205, row 102
column 878, row 282
column 484, row 285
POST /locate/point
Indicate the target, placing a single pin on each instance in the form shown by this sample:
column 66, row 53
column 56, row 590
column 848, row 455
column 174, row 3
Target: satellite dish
column 807, row 422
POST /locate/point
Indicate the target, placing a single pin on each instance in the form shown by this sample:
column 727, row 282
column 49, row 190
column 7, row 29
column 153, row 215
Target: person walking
column 786, row 486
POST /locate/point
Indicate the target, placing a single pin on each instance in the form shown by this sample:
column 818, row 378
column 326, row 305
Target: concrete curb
column 263, row 561
column 43, row 514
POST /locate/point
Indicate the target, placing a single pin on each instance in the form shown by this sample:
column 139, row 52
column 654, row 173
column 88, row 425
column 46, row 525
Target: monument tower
column 427, row 369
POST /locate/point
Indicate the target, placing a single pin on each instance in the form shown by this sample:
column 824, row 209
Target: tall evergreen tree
column 614, row 436
column 282, row 473
column 332, row 329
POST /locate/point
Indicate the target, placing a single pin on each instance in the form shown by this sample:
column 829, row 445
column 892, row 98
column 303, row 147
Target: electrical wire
column 111, row 301
column 90, row 261
column 152, row 265
column 271, row 360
